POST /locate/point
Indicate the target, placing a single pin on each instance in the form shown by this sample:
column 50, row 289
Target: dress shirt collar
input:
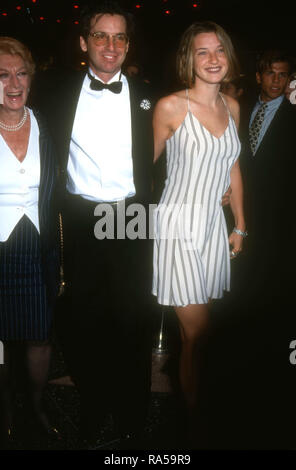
column 113, row 79
column 273, row 104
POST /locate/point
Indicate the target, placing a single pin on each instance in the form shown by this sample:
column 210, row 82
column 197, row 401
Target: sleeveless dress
column 191, row 262
column 25, row 313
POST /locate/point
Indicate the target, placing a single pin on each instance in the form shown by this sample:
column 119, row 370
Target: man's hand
column 226, row 197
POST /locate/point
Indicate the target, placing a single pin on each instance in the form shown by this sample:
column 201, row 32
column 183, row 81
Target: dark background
column 250, row 384
column 249, row 396
column 253, row 26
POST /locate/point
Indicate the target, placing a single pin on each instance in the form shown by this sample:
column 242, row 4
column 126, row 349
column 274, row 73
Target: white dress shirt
column 19, row 183
column 100, row 166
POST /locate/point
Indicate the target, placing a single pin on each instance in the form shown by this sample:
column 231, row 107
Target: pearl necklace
column 15, row 127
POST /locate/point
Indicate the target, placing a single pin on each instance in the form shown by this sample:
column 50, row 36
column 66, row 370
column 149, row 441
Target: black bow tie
column 115, row 87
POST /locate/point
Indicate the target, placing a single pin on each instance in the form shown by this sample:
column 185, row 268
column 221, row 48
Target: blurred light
column 167, row 12
column 34, row 1
column 58, row 21
column 4, row 14
column 195, row 5
column 41, row 18
column 76, row 22
column 138, row 6
column 18, row 7
column 82, row 63
column 76, row 6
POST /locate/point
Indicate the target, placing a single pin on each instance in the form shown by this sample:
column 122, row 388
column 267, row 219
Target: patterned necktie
column 115, row 87
column 256, row 125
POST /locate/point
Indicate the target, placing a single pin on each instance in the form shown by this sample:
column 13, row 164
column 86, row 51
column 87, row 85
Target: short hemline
column 167, row 303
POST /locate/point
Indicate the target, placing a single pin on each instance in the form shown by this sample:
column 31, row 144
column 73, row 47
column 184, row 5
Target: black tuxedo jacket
column 59, row 105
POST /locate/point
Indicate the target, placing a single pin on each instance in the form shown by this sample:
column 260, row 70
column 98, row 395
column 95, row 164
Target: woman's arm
column 234, row 110
column 163, row 127
column 236, row 204
column 236, row 197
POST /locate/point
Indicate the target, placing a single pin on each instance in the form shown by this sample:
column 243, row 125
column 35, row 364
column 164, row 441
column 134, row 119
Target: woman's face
column 210, row 60
column 15, row 80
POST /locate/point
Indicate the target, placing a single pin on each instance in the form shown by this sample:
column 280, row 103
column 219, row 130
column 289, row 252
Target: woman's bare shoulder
column 172, row 103
column 232, row 104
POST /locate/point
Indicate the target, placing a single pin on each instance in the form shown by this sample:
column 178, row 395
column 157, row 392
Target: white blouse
column 19, row 183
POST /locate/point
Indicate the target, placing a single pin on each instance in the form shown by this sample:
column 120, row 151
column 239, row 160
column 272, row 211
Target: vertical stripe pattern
column 191, row 252
column 24, row 311
column 29, row 263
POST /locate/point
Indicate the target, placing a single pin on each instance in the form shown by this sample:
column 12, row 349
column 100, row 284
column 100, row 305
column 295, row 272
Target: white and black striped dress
column 191, row 262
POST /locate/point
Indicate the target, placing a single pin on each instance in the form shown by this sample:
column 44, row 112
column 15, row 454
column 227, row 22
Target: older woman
column 28, row 230
column 198, row 127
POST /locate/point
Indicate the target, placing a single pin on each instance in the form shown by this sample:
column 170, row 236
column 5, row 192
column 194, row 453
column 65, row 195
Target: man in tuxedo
column 101, row 121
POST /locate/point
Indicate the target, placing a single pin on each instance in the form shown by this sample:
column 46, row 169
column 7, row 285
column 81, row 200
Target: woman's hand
column 236, row 244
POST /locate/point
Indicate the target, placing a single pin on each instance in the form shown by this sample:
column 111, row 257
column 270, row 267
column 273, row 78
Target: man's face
column 105, row 60
column 273, row 80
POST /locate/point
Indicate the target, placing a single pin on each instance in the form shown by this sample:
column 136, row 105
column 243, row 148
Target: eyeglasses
column 101, row 38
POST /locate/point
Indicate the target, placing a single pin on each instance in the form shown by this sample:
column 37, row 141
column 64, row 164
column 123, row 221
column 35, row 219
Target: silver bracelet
column 239, row 232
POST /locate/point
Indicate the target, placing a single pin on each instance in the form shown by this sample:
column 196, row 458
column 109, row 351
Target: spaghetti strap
column 225, row 104
column 187, row 96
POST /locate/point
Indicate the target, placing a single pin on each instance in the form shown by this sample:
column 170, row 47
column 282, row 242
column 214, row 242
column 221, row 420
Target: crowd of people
column 76, row 180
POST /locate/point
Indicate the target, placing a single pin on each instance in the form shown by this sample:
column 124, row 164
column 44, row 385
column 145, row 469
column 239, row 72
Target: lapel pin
column 145, row 104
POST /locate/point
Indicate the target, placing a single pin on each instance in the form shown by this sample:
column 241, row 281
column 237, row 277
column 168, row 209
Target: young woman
column 198, row 128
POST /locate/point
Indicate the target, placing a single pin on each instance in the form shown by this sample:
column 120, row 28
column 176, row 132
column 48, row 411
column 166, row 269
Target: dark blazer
column 47, row 206
column 269, row 187
column 59, row 105
column 268, row 176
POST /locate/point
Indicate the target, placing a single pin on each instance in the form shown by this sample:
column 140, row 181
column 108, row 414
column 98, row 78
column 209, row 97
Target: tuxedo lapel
column 71, row 102
column 134, row 104
column 142, row 136
column 67, row 101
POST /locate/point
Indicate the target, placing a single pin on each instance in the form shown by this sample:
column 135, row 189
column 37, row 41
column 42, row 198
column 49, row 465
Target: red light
column 195, row 5
column 41, row 18
column 4, row 14
column 76, row 6
column 76, row 22
column 167, row 12
column 58, row 21
column 138, row 6
column 18, row 7
column 34, row 1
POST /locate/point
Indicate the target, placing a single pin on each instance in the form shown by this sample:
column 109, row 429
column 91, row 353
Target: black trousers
column 105, row 319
